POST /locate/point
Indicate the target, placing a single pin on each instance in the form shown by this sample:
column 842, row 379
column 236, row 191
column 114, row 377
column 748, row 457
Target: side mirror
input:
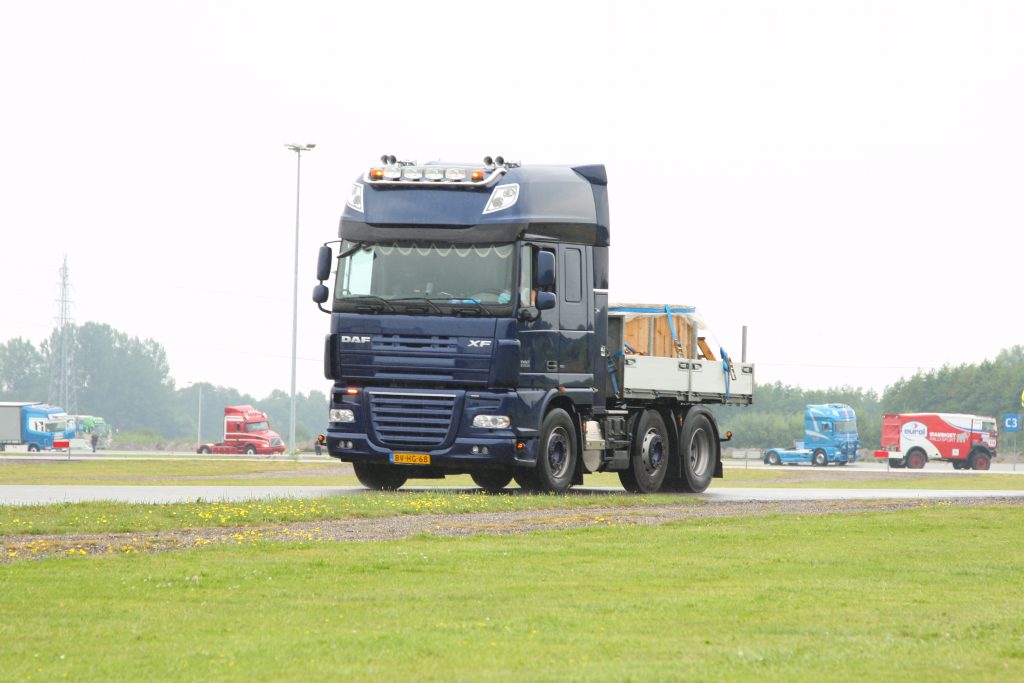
column 320, row 294
column 323, row 266
column 545, row 301
column 545, row 269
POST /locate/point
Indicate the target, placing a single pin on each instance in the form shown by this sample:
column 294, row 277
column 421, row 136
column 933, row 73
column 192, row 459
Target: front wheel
column 379, row 477
column 556, row 462
column 492, row 481
column 981, row 461
column 820, row 458
column 204, row 451
column 32, row 448
column 250, row 450
column 773, row 458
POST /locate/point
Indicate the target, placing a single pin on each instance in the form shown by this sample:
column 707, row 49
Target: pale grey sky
column 844, row 178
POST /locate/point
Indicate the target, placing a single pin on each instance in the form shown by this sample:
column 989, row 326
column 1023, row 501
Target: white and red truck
column 246, row 430
column 912, row 439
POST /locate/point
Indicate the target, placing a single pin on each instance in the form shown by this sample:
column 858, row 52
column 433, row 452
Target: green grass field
column 933, row 593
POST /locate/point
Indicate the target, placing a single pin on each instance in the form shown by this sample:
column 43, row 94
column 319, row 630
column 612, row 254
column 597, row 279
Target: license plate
column 410, row 458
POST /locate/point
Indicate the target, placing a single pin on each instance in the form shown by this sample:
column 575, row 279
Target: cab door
column 575, row 322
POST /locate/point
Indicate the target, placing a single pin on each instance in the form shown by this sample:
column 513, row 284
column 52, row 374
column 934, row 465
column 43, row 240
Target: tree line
column 126, row 380
column 991, row 388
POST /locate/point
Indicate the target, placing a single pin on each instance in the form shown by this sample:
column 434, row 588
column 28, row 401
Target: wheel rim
column 700, row 452
column 981, row 463
column 558, row 452
column 916, row 461
column 652, row 452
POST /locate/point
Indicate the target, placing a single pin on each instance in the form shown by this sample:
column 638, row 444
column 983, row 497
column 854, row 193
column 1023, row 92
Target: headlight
column 502, row 198
column 342, row 415
column 492, row 421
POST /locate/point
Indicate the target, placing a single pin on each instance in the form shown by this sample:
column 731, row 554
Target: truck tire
column 916, row 459
column 492, row 481
column 980, row 461
column 897, row 463
column 379, row 477
column 556, row 460
column 650, row 455
column 526, row 477
column 819, row 458
column 773, row 459
column 698, row 454
column 32, row 448
column 204, row 450
column 250, row 450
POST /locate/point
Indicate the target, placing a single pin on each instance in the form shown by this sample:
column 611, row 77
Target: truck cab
column 830, row 436
column 246, row 430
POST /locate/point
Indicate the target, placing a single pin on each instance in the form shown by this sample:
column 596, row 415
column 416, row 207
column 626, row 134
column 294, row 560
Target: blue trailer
column 471, row 332
column 830, row 436
column 34, row 424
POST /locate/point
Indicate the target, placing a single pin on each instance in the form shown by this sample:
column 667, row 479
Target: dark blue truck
column 471, row 333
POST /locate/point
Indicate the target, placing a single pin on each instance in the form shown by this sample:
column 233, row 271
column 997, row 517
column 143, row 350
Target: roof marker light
column 376, row 174
column 477, row 175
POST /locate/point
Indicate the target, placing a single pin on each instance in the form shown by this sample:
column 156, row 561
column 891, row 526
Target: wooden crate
column 651, row 335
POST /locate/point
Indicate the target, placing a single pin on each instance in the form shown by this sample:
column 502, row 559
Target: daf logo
column 479, row 343
column 355, row 340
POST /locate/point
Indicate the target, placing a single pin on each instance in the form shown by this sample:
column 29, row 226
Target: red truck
column 912, row 439
column 246, row 430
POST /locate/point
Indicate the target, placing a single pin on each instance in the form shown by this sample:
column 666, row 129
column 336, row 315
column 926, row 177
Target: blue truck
column 471, row 332
column 35, row 424
column 830, row 436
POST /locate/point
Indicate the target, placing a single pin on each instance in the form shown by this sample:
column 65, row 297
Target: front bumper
column 464, row 453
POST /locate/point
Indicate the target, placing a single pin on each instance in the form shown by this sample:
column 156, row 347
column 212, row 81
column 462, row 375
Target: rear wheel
column 698, row 454
column 916, row 459
column 379, row 477
column 204, row 450
column 773, row 458
column 556, row 462
column 492, row 481
column 820, row 458
column 981, row 461
column 843, row 462
column 649, row 455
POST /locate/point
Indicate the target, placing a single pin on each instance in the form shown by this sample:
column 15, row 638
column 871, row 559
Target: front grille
column 412, row 420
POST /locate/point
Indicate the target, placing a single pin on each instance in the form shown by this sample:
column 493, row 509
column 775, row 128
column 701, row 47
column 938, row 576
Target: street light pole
column 298, row 149
column 199, row 421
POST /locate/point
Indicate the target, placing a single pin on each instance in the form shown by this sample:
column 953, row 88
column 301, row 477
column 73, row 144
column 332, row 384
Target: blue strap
column 672, row 327
column 727, row 368
column 611, row 371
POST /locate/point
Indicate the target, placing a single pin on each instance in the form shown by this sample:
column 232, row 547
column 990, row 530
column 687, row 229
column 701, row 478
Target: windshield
column 406, row 273
column 257, row 426
column 846, row 425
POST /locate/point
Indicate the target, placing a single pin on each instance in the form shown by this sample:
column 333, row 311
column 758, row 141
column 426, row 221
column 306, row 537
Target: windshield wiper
column 456, row 303
column 384, row 305
column 428, row 302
